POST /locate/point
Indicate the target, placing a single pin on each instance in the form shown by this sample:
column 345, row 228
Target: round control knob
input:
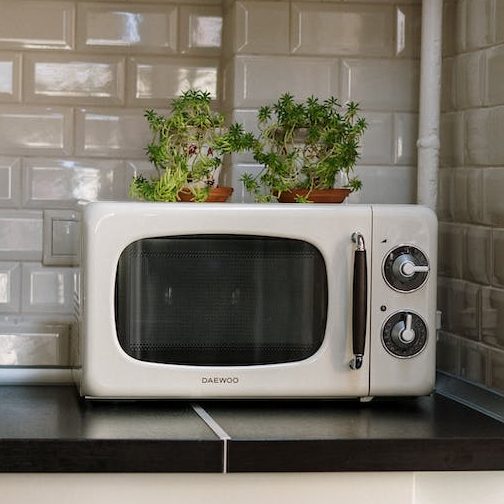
column 404, row 334
column 405, row 268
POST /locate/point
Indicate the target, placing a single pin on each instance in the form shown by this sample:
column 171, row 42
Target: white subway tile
column 493, row 202
column 261, row 80
column 449, row 83
column 371, row 1
column 10, row 182
column 134, row 168
column 204, row 2
column 154, row 81
column 446, row 138
column 460, row 302
column 479, row 18
column 61, row 238
column 494, row 75
column 497, row 268
column 76, row 79
column 34, row 343
column 35, row 130
column 59, row 183
column 20, row 235
column 460, row 26
column 29, row 350
column 227, row 86
column 137, row 167
column 478, row 258
column 377, row 144
column 386, row 184
column 405, row 139
column 261, row 27
column 470, row 79
column 460, row 139
column 36, row 25
column 495, row 143
column 449, row 28
column 123, row 26
column 248, row 119
column 46, row 290
column 474, row 357
column 447, row 352
column 498, row 21
column 452, row 149
column 408, row 20
column 10, row 77
column 477, row 122
column 6, row 78
column 452, row 241
column 231, row 176
column 200, row 30
column 228, row 34
column 111, row 133
column 459, row 199
column 334, row 29
column 444, row 208
column 475, row 195
column 10, row 287
column 381, row 84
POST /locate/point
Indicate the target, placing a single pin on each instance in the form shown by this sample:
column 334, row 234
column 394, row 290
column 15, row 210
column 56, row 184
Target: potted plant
column 306, row 148
column 186, row 150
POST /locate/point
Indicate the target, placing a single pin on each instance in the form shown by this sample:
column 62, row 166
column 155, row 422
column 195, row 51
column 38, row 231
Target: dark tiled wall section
column 471, row 193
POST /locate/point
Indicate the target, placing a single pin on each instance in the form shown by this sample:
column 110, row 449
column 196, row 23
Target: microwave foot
column 366, row 399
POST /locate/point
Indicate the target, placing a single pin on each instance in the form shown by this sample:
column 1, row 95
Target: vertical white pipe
column 430, row 102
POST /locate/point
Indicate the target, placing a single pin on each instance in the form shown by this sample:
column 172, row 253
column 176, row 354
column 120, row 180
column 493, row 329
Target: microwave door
column 221, row 300
column 128, row 303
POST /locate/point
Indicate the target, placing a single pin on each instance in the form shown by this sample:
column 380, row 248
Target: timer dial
column 406, row 268
column 404, row 334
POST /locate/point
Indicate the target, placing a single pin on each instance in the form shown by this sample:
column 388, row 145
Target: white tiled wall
column 362, row 51
column 10, row 286
column 76, row 76
column 73, row 79
column 20, row 235
column 471, row 206
column 154, row 80
column 29, row 24
column 338, row 29
column 258, row 80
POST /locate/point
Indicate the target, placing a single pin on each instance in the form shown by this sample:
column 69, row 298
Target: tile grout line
column 217, row 430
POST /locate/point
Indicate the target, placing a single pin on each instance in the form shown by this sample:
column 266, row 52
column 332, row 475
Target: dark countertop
column 50, row 429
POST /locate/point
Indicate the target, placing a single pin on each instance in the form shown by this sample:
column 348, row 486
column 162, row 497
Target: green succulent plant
column 186, row 149
column 305, row 144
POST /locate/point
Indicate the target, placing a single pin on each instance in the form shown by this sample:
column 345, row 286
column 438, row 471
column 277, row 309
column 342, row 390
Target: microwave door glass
column 220, row 300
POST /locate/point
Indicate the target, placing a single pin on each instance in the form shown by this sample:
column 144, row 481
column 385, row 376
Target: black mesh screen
column 220, row 300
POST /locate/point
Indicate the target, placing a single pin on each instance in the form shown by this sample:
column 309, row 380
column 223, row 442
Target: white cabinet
column 254, row 488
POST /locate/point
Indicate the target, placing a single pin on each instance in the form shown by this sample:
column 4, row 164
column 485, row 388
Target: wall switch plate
column 61, row 238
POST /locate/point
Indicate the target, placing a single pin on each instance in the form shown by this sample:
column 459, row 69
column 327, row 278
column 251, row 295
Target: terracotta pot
column 216, row 195
column 315, row 196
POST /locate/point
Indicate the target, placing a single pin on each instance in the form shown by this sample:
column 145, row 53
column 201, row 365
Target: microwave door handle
column 359, row 311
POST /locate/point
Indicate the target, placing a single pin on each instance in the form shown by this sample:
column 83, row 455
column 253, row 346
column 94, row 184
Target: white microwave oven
column 189, row 300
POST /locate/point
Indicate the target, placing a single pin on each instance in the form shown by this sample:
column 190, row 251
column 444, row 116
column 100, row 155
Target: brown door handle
column 359, row 310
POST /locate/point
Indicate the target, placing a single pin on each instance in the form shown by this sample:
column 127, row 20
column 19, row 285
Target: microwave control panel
column 403, row 307
column 405, row 269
